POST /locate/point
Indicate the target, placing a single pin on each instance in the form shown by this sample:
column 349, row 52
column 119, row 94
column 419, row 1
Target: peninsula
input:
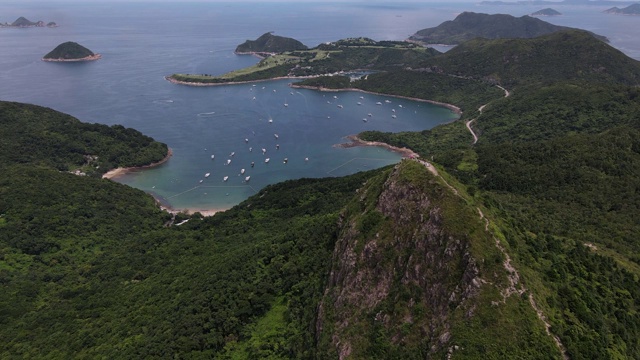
column 69, row 52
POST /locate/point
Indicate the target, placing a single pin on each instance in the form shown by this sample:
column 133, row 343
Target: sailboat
column 225, row 178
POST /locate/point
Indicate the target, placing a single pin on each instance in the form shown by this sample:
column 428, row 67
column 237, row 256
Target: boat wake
column 206, row 114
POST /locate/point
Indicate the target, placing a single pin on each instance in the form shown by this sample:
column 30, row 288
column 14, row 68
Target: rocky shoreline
column 354, row 141
column 86, row 58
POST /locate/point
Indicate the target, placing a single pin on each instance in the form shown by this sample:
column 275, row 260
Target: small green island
column 546, row 12
column 69, row 52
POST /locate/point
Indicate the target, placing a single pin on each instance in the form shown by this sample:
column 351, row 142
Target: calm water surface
column 143, row 42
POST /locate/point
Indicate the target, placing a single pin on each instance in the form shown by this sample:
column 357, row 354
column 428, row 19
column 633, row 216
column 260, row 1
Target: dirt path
column 480, row 109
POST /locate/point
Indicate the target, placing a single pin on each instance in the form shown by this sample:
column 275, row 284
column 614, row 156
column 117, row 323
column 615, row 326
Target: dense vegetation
column 269, row 43
column 69, row 50
column 470, row 25
column 35, row 135
column 393, row 263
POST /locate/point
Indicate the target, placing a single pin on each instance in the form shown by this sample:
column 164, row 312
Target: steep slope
column 269, row 43
column 469, row 25
column 415, row 274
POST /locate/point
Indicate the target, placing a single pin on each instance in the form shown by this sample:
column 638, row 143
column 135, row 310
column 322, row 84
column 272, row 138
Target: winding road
column 475, row 136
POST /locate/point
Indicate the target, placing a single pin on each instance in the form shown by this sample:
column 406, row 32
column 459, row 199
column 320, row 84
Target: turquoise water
column 143, row 42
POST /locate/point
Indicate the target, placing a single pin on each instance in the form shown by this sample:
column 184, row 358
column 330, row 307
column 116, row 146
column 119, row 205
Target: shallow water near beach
column 141, row 43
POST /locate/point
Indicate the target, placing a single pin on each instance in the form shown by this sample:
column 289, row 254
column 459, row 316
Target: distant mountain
column 23, row 22
column 469, row 25
column 546, row 12
column 269, row 43
column 570, row 55
column 70, row 51
column 629, row 10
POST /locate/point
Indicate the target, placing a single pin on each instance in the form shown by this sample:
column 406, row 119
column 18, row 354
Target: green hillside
column 523, row 244
column 69, row 50
column 470, row 25
column 269, row 43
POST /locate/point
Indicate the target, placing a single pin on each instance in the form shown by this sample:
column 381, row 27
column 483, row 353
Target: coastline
column 356, row 141
column 451, row 107
column 86, row 58
column 115, row 173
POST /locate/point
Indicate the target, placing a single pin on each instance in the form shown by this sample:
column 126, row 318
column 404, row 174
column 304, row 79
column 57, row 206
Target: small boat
column 253, row 98
column 246, row 140
column 207, row 175
column 378, row 103
column 253, row 164
column 306, row 159
column 274, row 90
column 369, row 114
column 263, row 88
column 225, row 178
column 250, row 149
column 400, row 106
column 201, row 181
column 213, row 157
column 361, row 97
column 364, row 119
column 241, row 171
column 232, row 153
column 285, row 104
column 228, row 161
column 286, row 160
column 340, row 106
column 291, row 93
column 276, row 136
column 266, row 160
column 335, row 97
column 388, row 101
column 247, row 178
column 277, row 146
column 264, row 151
column 328, row 102
column 270, row 121
column 359, row 103
column 393, row 116
column 393, row 110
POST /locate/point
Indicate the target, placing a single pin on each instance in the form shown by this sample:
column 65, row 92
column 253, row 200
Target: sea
column 221, row 135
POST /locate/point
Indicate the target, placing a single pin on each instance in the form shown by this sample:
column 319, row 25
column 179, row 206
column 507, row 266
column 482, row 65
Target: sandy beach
column 114, row 173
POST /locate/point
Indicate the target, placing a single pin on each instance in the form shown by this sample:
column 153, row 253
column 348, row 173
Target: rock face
column 629, row 10
column 469, row 25
column 70, row 51
column 400, row 269
column 269, row 43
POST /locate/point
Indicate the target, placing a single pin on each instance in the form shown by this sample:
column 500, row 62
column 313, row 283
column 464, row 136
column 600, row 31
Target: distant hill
column 269, row 43
column 629, row 10
column 469, row 25
column 546, row 12
column 572, row 55
column 23, row 22
column 70, row 51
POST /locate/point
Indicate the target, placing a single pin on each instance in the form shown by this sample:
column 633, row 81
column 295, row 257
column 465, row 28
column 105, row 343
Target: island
column 69, row 52
column 269, row 44
column 469, row 25
column 546, row 12
column 629, row 10
column 23, row 22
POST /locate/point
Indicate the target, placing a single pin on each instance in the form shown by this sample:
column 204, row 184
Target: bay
column 143, row 42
